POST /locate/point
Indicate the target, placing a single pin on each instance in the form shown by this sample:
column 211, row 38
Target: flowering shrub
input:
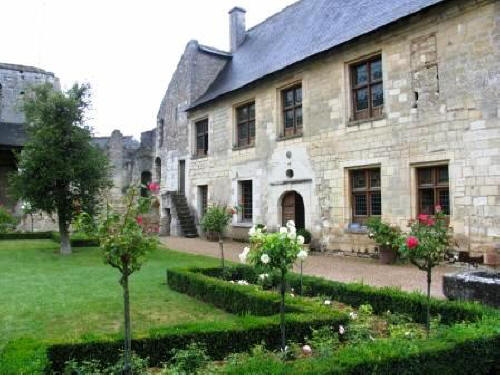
column 275, row 251
column 426, row 246
column 383, row 233
column 7, row 221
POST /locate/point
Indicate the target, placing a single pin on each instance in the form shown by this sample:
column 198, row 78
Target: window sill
column 196, row 157
column 243, row 224
column 353, row 123
column 285, row 138
column 239, row 148
column 361, row 229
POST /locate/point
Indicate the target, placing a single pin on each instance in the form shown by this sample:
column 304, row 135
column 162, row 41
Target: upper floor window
column 201, row 128
column 433, row 190
column 292, row 110
column 366, row 197
column 367, row 90
column 245, row 124
column 161, row 130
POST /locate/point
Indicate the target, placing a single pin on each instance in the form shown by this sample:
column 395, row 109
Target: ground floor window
column 246, row 201
column 203, row 199
column 433, row 189
column 365, row 194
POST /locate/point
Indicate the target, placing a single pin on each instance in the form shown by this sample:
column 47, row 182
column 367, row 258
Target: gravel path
column 333, row 267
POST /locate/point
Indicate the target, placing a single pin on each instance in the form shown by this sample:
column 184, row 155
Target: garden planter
column 212, row 237
column 387, row 255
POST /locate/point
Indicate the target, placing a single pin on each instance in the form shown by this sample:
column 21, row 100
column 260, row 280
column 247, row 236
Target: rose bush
column 275, row 251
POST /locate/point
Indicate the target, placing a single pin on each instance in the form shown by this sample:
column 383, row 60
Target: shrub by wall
column 25, row 235
column 77, row 239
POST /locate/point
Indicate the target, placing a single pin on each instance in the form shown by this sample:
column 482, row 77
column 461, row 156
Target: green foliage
column 188, row 361
column 94, row 367
column 324, row 341
column 216, row 219
column 7, row 221
column 433, row 240
column 77, row 239
column 383, row 233
column 306, row 234
column 257, row 361
column 60, row 171
column 25, row 235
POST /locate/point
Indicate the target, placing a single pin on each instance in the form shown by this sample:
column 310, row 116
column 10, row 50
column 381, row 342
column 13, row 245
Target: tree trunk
column 428, row 318
column 282, row 312
column 221, row 247
column 301, row 283
column 65, row 241
column 127, row 369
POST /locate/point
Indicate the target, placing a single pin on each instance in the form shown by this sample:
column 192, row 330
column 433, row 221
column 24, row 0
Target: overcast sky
column 126, row 49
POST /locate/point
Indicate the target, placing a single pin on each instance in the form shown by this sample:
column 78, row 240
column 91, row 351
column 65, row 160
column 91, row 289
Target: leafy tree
column 216, row 220
column 426, row 246
column 275, row 251
column 60, row 171
column 125, row 246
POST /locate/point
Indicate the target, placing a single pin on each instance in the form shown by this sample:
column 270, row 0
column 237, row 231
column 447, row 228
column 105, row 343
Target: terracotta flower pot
column 387, row 255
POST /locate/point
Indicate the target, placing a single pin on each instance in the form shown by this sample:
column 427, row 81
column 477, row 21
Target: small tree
column 124, row 246
column 59, row 168
column 216, row 220
column 275, row 251
column 426, row 246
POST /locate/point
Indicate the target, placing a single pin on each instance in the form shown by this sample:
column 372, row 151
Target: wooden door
column 288, row 207
column 182, row 176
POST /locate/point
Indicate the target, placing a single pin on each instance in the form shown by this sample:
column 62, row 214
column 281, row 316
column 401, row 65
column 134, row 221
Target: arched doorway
column 292, row 208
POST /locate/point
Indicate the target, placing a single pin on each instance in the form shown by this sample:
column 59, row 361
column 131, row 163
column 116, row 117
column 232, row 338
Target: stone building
column 15, row 81
column 330, row 112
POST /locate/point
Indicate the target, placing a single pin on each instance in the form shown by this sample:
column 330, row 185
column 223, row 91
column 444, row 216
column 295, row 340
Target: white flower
column 328, row 302
column 251, row 232
column 341, row 329
column 292, row 230
column 300, row 240
column 290, row 224
column 265, row 258
column 292, row 295
column 263, row 276
column 283, row 230
column 291, row 235
column 302, row 255
column 306, row 349
column 353, row 315
column 371, row 235
column 243, row 256
column 242, row 282
column 387, row 243
column 246, row 250
column 232, row 281
column 259, row 230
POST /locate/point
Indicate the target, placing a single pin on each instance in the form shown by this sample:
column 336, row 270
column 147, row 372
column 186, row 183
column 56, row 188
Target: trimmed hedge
column 221, row 338
column 25, row 235
column 381, row 299
column 77, row 239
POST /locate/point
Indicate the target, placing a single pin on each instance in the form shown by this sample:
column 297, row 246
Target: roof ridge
column 274, row 15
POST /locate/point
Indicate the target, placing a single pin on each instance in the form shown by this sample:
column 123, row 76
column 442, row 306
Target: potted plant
column 387, row 238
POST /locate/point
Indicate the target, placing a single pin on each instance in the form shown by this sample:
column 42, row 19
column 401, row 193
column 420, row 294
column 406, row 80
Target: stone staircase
column 184, row 215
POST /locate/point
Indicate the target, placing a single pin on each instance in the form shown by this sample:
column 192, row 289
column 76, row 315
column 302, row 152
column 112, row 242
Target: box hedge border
column 77, row 239
column 25, row 236
column 258, row 323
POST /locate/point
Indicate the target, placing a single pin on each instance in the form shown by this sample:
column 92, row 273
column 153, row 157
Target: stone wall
column 449, row 55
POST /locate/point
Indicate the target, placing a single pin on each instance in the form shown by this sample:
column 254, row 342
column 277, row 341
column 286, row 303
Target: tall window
column 292, row 110
column 365, row 190
column 367, row 90
column 203, row 199
column 161, row 130
column 202, row 137
column 158, row 170
column 433, row 189
column 245, row 123
column 246, row 200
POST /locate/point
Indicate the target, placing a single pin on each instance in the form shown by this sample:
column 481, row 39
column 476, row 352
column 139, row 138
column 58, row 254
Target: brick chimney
column 237, row 28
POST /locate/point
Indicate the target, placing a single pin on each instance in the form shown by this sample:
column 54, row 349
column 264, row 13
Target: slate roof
column 302, row 30
column 11, row 134
column 24, row 68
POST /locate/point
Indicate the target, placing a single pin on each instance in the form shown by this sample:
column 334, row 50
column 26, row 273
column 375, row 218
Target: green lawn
column 52, row 298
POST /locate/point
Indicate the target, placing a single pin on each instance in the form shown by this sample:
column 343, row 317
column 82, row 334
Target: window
column 203, row 199
column 245, row 124
column 367, row 90
column 292, row 110
column 246, row 200
column 366, row 198
column 161, row 130
column 433, row 189
column 202, row 137
column 158, row 170
column 145, row 181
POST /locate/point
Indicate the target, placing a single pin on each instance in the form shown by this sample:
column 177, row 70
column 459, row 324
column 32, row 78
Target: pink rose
column 412, row 242
column 139, row 220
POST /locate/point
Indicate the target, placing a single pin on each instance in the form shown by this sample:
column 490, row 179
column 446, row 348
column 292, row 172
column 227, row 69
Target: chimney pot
column 237, row 28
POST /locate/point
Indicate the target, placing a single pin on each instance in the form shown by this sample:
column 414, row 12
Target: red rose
column 412, row 242
column 422, row 218
column 430, row 221
column 153, row 187
column 139, row 220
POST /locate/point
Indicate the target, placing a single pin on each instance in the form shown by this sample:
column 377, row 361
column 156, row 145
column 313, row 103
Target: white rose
column 341, row 329
column 243, row 257
column 306, row 349
column 291, row 235
column 302, row 255
column 259, row 230
column 328, row 302
column 251, row 232
column 300, row 240
column 265, row 258
column 292, row 230
column 353, row 315
column 283, row 230
column 263, row 276
column 246, row 250
column 290, row 224
column 387, row 243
